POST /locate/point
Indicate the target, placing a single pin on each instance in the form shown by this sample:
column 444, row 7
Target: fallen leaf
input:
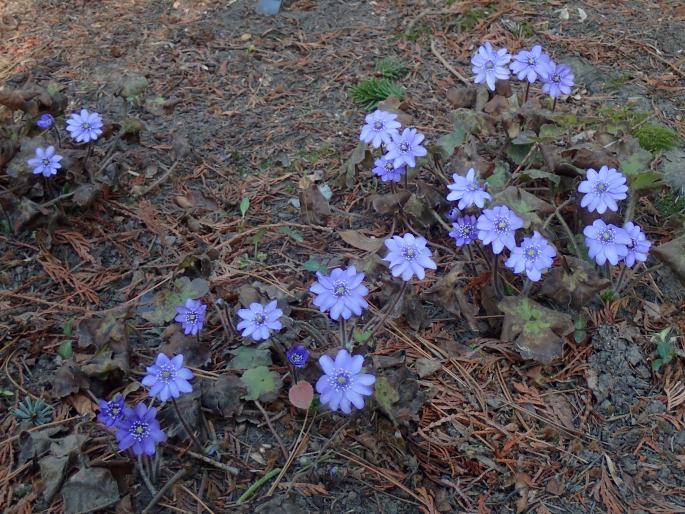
column 673, row 255
column 360, row 158
column 398, row 394
column 247, row 357
column 525, row 204
column 389, row 204
column 110, row 331
column 314, row 208
column 89, row 490
column 262, row 384
column 573, row 284
column 301, row 395
column 195, row 353
column 69, row 380
column 358, row 240
column 425, row 367
column 162, row 308
column 223, row 394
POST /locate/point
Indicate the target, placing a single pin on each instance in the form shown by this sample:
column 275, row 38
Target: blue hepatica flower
column 111, row 411
column 380, row 128
column 167, row 378
column 603, row 189
column 386, row 170
column 46, row 162
column 530, row 64
column 534, row 256
column 497, row 226
column 639, row 245
column 408, row 255
column 341, row 293
column 139, row 430
column 191, row 316
column 404, row 148
column 343, row 385
column 464, row 231
column 297, row 356
column 557, row 79
column 467, row 190
column 257, row 321
column 606, row 242
column 490, row 64
column 45, row 121
column 85, row 126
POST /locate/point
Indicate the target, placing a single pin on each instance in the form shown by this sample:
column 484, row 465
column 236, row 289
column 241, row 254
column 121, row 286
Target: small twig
column 271, row 427
column 205, row 459
column 558, row 209
column 440, row 220
column 291, row 458
column 160, row 179
column 495, row 276
column 160, row 494
column 190, row 433
column 387, row 312
column 146, row 479
column 448, row 65
column 57, row 199
column 571, row 237
column 251, row 490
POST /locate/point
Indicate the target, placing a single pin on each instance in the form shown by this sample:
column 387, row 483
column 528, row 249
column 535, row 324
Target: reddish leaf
column 301, row 395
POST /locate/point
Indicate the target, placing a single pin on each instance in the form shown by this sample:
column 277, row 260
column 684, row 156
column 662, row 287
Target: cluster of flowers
column 401, row 148
column 83, row 127
column 490, row 64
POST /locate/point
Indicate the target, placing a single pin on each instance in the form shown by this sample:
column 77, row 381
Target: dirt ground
column 250, row 105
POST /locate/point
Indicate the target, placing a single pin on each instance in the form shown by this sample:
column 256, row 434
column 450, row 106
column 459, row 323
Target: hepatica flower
column 557, row 79
column 297, row 356
column 386, row 170
column 139, row 430
column 404, row 148
column 191, row 316
column 464, row 231
column 408, row 256
column 343, row 385
column 167, row 378
column 467, row 190
column 46, row 162
column 111, row 411
column 45, row 121
column 380, row 128
column 497, row 226
column 257, row 321
column 639, row 245
column 606, row 242
column 490, row 64
column 603, row 189
column 530, row 64
column 534, row 256
column 453, row 214
column 341, row 293
column 84, row 126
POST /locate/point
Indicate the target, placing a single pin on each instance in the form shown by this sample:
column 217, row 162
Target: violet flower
column 386, row 170
column 341, row 293
column 408, row 255
column 85, row 126
column 111, row 411
column 46, row 162
column 257, row 321
column 639, row 245
column 534, row 256
column 603, row 189
column 404, row 148
column 380, row 127
column 467, row 190
column 453, row 215
column 167, row 378
column 191, row 316
column 343, row 385
column 557, row 79
column 606, row 242
column 139, row 430
column 530, row 64
column 297, row 356
column 490, row 64
column 464, row 231
column 45, row 121
column 497, row 226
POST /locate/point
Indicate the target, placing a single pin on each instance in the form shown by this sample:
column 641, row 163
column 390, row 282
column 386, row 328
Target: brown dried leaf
column 389, row 204
column 574, row 283
column 109, row 331
column 314, row 208
column 195, row 353
column 69, row 380
column 358, row 240
column 223, row 395
column 399, row 396
column 444, row 292
column 673, row 255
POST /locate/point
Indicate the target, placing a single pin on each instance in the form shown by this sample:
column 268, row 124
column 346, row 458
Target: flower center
column 295, row 357
column 114, row 409
column 191, row 317
column 466, row 230
column 472, row 187
column 389, row 166
column 607, row 236
column 489, row 65
column 532, row 253
column 341, row 382
column 85, row 125
column 601, row 187
column 531, row 61
column 378, row 125
column 556, row 78
column 404, row 147
column 46, row 162
column 259, row 318
column 139, row 430
column 167, row 373
column 340, row 288
column 410, row 253
column 502, row 225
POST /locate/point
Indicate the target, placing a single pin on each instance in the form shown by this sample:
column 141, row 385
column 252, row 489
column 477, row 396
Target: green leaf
column 6, row 393
column 65, row 350
column 535, row 174
column 247, row 357
column 244, row 206
column 257, row 237
column 361, row 337
column 313, row 265
column 261, row 384
column 636, row 162
column 646, row 180
column 656, row 364
column 449, row 142
column 68, row 329
column 294, row 234
column 385, row 394
column 162, row 308
column 498, row 179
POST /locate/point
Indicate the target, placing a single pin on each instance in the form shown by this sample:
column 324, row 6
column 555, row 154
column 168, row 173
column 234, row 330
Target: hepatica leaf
column 301, row 394
column 262, row 384
column 162, row 307
column 247, row 357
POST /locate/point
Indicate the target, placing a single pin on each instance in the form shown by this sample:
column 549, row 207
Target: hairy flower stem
column 619, row 281
column 472, row 263
column 59, row 138
column 89, row 152
column 143, row 474
column 190, row 433
column 399, row 295
column 526, row 287
column 406, row 180
column 571, row 237
column 343, row 335
column 482, row 254
column 495, row 276
column 554, row 105
column 525, row 99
